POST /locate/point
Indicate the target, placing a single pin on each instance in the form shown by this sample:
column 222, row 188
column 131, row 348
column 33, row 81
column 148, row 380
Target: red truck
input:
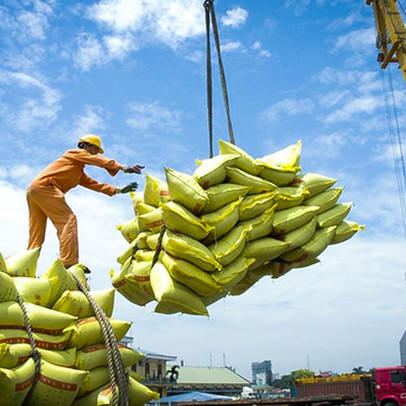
column 384, row 387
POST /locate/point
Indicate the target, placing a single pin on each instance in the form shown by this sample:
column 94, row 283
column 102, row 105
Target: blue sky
column 134, row 73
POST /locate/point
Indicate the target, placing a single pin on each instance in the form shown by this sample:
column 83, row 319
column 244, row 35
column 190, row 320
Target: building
column 215, row 380
column 262, row 373
column 153, row 368
column 402, row 345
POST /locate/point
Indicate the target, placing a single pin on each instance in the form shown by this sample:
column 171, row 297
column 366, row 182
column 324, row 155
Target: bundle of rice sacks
column 73, row 360
column 197, row 238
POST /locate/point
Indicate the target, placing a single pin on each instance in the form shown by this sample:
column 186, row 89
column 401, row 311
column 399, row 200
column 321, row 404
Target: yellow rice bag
column 15, row 383
column 65, row 280
column 139, row 280
column 265, row 248
column 232, row 273
column 141, row 239
column 129, row 251
column 345, row 230
column 244, row 161
column 222, row 194
column 253, row 205
column 151, row 221
column 212, row 171
column 221, row 220
column 229, row 247
column 313, row 248
column 143, row 208
column 36, row 290
column 167, row 290
column 178, row 218
column 23, row 263
column 95, row 356
column 3, row 267
column 63, row 358
column 288, row 158
column 257, row 184
column 43, row 320
column 190, row 275
column 290, row 219
column 12, row 355
column 144, row 255
column 260, row 226
column 126, row 287
column 96, row 378
column 189, row 249
column 130, row 229
column 50, row 342
column 314, row 183
column 208, row 300
column 137, row 197
column 57, row 385
column 185, row 190
column 276, row 175
column 139, row 395
column 76, row 303
column 78, row 270
column 152, row 241
column 155, row 191
column 87, row 331
column 334, row 216
column 324, row 200
column 8, row 290
column 288, row 197
column 300, row 235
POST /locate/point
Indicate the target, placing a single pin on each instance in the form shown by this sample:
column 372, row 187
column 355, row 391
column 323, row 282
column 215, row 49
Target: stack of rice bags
column 235, row 220
column 73, row 366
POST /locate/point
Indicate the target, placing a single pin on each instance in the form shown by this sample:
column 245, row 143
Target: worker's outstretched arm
column 127, row 189
column 133, row 169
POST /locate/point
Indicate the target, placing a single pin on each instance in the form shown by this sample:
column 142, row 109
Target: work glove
column 129, row 188
column 133, row 169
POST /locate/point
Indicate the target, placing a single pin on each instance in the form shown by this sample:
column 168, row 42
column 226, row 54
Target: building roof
column 209, row 375
column 157, row 356
column 193, row 397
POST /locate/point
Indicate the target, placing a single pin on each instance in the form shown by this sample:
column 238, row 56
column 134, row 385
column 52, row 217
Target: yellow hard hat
column 94, row 140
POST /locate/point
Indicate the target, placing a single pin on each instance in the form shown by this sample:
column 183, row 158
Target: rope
column 158, row 245
column 209, row 78
column 117, row 371
column 210, row 13
column 35, row 353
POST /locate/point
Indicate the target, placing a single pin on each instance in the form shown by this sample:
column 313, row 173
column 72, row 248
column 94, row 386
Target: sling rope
column 158, row 245
column 118, row 375
column 35, row 353
column 210, row 15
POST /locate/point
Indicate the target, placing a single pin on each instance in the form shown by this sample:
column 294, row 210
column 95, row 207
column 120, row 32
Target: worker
column 45, row 195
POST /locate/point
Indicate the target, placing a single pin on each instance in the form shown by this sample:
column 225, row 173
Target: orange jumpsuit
column 45, row 197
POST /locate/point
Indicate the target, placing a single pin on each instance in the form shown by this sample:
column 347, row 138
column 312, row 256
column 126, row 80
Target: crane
column 391, row 33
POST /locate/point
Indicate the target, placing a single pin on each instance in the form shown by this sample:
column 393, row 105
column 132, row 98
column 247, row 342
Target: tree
column 286, row 381
column 358, row 370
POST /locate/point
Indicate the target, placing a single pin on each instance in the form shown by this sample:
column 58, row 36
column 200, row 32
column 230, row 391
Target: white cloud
column 235, row 17
column 288, row 107
column 257, row 46
column 168, row 22
column 92, row 121
column 146, row 116
column 364, row 104
column 32, row 112
column 231, row 46
column 356, row 41
column 90, row 52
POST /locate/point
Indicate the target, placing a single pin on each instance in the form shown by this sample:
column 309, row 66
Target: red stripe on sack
column 24, row 385
column 11, row 327
column 94, row 348
column 300, row 259
column 155, row 224
column 206, row 184
column 47, row 331
column 119, row 284
column 164, row 193
column 72, row 387
column 15, row 340
column 85, row 321
column 138, row 278
column 46, row 345
column 20, row 360
column 197, row 208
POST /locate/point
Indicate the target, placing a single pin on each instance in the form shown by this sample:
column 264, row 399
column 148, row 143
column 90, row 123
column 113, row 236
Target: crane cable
column 211, row 15
column 394, row 131
column 396, row 141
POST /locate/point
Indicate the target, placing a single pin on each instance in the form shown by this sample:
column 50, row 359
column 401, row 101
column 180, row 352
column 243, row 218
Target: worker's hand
column 133, row 169
column 129, row 188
